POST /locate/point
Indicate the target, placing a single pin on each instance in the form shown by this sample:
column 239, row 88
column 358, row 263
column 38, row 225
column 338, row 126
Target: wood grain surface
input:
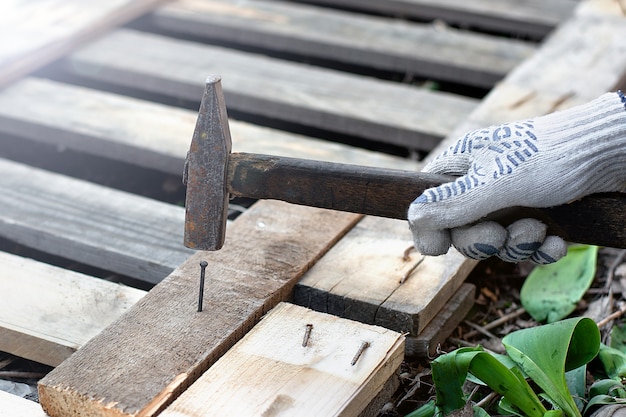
column 96, row 225
column 269, row 372
column 145, row 359
column 534, row 18
column 51, row 312
column 37, row 32
column 311, row 96
column 423, row 50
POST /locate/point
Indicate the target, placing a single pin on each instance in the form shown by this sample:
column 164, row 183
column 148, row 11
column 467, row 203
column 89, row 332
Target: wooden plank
column 14, row 406
column 99, row 226
column 386, row 44
column 534, row 18
column 322, row 98
column 238, row 384
column 425, row 344
column 147, row 134
column 583, row 58
column 51, row 311
column 359, row 278
column 35, row 33
column 161, row 345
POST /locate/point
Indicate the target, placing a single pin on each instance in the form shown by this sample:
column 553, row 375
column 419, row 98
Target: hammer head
column 206, row 169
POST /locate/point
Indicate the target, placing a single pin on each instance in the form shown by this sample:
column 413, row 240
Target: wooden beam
column 14, row 406
column 269, row 371
column 110, row 229
column 375, row 42
column 51, row 311
column 360, row 278
column 534, row 18
column 147, row 134
column 35, row 33
column 160, row 346
column 269, row 87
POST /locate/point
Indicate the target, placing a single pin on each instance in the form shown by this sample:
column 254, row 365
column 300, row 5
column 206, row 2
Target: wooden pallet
column 161, row 345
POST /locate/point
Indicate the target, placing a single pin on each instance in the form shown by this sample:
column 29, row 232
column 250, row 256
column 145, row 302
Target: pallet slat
column 529, row 17
column 162, row 344
column 51, row 312
column 356, row 105
column 96, row 225
column 238, row 384
column 146, row 134
column 35, row 33
column 419, row 49
column 359, row 278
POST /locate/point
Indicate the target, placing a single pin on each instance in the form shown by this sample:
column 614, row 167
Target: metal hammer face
column 206, row 169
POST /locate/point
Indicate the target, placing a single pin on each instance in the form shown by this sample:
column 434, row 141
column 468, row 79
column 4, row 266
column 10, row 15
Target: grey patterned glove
column 542, row 162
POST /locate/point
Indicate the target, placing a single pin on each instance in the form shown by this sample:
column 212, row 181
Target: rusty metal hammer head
column 206, row 168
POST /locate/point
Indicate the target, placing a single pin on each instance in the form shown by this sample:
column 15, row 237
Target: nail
column 203, row 266
column 408, row 273
column 307, row 334
column 359, row 352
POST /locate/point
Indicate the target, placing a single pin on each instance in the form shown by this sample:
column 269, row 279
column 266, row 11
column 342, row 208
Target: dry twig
column 498, row 322
column 612, row 316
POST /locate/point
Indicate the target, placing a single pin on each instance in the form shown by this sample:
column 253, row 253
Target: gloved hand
column 542, row 162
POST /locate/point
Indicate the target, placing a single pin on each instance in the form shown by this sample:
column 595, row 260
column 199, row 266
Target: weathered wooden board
column 442, row 325
column 14, row 406
column 158, row 348
column 327, row 99
column 583, row 58
column 387, row 44
column 99, row 226
column 48, row 312
column 37, row 32
column 144, row 133
column 360, row 278
column 529, row 17
column 316, row 380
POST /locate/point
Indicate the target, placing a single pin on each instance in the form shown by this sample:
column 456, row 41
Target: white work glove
column 542, row 162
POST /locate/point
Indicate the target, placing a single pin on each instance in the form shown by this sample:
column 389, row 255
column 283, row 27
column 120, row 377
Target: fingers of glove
column 552, row 249
column 525, row 236
column 479, row 241
column 431, row 242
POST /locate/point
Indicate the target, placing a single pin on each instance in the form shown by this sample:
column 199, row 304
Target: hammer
column 213, row 174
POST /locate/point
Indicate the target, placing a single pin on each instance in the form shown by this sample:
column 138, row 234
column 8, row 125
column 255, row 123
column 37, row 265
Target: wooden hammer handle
column 599, row 219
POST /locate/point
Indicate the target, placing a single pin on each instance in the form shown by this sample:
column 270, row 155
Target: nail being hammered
column 203, row 266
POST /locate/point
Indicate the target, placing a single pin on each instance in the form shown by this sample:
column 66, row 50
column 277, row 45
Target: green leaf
column 614, row 362
column 551, row 292
column 426, row 410
column 618, row 337
column 480, row 412
column 546, row 352
column 600, row 400
column 610, row 387
column 506, row 408
column 450, row 371
column 576, row 380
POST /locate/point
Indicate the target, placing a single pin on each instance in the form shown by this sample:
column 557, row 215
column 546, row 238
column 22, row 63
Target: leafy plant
column 551, row 292
column 546, row 354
